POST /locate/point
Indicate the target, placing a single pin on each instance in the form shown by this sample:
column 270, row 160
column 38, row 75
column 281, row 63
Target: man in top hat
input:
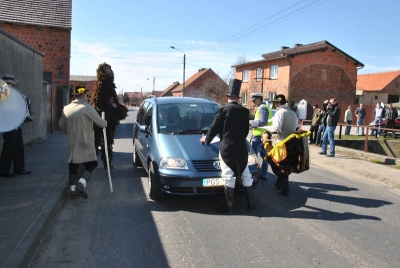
column 262, row 118
column 77, row 123
column 13, row 146
column 283, row 123
column 231, row 123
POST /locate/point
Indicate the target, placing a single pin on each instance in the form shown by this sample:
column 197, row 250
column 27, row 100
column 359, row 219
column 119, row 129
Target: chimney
column 283, row 47
column 298, row 45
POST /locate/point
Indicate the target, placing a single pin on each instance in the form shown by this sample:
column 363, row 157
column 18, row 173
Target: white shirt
column 277, row 121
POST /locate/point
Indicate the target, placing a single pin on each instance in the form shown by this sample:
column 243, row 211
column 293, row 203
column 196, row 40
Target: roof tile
column 375, row 81
column 50, row 13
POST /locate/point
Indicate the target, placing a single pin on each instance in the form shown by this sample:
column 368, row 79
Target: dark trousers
column 73, row 170
column 313, row 136
column 318, row 139
column 13, row 151
column 389, row 124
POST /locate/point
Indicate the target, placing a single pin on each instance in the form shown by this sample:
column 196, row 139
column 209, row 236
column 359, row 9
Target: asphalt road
column 343, row 212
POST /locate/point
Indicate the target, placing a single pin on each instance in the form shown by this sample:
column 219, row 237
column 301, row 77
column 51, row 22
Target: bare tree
column 231, row 74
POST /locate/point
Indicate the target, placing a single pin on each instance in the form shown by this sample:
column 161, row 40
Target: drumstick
column 103, row 115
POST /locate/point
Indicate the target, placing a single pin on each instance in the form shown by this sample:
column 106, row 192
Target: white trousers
column 228, row 175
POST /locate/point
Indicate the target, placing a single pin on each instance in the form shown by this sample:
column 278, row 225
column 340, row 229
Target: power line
column 274, row 22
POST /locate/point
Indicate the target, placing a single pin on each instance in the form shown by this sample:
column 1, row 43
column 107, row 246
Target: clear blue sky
column 134, row 37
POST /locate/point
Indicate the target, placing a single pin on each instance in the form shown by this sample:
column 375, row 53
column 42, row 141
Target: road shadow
column 271, row 204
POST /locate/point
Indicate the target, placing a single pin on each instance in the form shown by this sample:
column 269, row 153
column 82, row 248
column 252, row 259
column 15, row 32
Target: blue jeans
column 319, row 134
column 377, row 121
column 258, row 148
column 348, row 128
column 329, row 135
column 360, row 122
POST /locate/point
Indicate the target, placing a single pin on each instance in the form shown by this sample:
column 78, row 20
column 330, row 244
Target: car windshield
column 185, row 118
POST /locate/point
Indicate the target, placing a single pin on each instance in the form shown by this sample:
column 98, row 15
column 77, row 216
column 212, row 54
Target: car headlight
column 252, row 159
column 172, row 162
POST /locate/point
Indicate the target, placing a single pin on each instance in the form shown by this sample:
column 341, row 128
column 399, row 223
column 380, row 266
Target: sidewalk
column 28, row 203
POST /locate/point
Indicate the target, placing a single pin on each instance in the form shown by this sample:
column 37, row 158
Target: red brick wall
column 319, row 82
column 322, row 75
column 54, row 43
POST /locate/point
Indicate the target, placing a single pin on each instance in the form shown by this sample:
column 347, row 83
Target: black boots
column 250, row 198
column 82, row 183
column 284, row 188
column 228, row 207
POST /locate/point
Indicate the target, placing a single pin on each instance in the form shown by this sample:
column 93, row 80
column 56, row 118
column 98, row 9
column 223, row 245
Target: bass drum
column 13, row 108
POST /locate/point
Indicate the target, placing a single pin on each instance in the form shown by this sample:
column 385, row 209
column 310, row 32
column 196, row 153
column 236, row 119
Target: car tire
column 136, row 159
column 154, row 185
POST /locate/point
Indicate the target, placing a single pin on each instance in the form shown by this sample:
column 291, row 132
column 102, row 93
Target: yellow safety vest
column 259, row 131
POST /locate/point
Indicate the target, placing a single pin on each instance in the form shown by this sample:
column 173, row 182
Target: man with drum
column 13, row 146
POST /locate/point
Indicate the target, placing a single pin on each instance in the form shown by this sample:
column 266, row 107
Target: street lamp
column 154, row 83
column 141, row 92
column 184, row 63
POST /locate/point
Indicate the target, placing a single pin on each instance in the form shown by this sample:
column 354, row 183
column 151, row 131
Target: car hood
column 187, row 146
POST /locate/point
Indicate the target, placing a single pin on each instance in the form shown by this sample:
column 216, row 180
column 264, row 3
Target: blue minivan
column 166, row 143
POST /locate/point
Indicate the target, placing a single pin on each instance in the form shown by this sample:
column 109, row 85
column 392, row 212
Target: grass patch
column 378, row 161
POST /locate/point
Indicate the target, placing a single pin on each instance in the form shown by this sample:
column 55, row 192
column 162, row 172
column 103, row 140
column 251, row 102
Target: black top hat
column 234, row 88
column 280, row 98
column 9, row 78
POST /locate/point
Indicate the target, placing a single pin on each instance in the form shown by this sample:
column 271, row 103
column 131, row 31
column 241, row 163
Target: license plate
column 213, row 182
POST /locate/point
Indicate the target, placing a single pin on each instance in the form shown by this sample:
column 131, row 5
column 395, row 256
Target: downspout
column 290, row 74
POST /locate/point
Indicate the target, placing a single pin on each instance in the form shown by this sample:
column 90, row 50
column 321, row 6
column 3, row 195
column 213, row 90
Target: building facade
column 313, row 72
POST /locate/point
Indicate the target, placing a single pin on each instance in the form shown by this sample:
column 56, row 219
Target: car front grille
column 207, row 165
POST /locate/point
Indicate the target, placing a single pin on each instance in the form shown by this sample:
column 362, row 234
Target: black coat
column 231, row 122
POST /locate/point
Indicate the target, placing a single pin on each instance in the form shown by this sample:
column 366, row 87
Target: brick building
column 205, row 83
column 168, row 91
column 45, row 26
column 314, row 72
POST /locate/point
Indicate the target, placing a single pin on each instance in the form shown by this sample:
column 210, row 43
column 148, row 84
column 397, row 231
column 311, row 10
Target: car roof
column 183, row 100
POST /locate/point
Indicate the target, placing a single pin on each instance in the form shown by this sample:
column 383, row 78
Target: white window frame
column 259, row 74
column 244, row 99
column 274, row 72
column 245, row 75
column 271, row 96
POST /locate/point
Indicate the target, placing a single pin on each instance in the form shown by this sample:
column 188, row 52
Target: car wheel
column 136, row 159
column 154, row 191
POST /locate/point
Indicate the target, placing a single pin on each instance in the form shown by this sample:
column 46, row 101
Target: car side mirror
column 144, row 128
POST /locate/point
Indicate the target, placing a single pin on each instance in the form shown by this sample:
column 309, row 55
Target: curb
column 368, row 156
column 26, row 249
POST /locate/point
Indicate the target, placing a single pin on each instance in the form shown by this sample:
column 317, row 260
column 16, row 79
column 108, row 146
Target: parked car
column 396, row 123
column 166, row 143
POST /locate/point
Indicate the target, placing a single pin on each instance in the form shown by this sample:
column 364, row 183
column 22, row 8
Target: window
column 271, row 96
column 259, row 74
column 140, row 115
column 245, row 75
column 148, row 116
column 244, row 99
column 274, row 72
